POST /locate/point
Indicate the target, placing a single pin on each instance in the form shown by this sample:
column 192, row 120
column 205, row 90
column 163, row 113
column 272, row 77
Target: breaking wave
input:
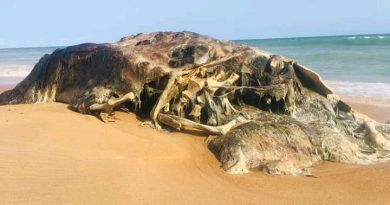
column 367, row 37
column 353, row 40
column 15, row 70
column 365, row 92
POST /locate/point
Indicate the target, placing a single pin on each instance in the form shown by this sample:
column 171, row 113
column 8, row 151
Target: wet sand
column 380, row 113
column 51, row 155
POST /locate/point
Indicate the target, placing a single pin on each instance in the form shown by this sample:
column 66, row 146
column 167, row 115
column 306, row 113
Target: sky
column 32, row 23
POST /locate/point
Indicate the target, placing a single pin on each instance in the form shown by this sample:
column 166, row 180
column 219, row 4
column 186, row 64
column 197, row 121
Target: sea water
column 356, row 66
column 16, row 63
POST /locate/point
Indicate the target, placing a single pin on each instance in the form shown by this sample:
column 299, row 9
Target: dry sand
column 51, row 155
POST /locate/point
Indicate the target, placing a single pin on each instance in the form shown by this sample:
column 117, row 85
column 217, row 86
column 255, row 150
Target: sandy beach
column 380, row 113
column 52, row 155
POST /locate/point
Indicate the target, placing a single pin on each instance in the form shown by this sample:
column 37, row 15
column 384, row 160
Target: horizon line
column 319, row 36
column 271, row 38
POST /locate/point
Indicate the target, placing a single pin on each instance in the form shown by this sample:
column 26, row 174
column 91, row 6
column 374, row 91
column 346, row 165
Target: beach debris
column 262, row 112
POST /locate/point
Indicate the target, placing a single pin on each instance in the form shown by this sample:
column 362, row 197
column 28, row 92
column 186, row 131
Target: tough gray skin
column 262, row 111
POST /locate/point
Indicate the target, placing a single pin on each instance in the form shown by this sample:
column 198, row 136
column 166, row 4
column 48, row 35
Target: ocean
column 355, row 66
column 16, row 63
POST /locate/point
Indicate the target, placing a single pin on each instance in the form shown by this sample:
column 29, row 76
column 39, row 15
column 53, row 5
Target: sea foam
column 365, row 92
column 15, row 70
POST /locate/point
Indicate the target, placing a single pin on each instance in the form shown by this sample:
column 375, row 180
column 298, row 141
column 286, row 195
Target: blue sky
column 26, row 23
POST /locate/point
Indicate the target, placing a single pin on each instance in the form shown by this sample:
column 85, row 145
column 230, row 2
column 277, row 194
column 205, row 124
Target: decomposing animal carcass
column 261, row 111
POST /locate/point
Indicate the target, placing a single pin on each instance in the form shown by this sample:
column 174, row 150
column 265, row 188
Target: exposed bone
column 228, row 108
column 180, row 123
column 194, row 86
column 213, row 85
column 218, row 75
column 107, row 108
column 169, row 92
column 112, row 103
column 179, row 106
column 195, row 113
column 212, row 109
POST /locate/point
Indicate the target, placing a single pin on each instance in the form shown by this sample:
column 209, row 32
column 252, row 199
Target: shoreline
column 5, row 87
column 380, row 113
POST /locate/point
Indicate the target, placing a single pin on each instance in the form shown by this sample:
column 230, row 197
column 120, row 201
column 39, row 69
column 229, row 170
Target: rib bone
column 170, row 91
column 180, row 123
